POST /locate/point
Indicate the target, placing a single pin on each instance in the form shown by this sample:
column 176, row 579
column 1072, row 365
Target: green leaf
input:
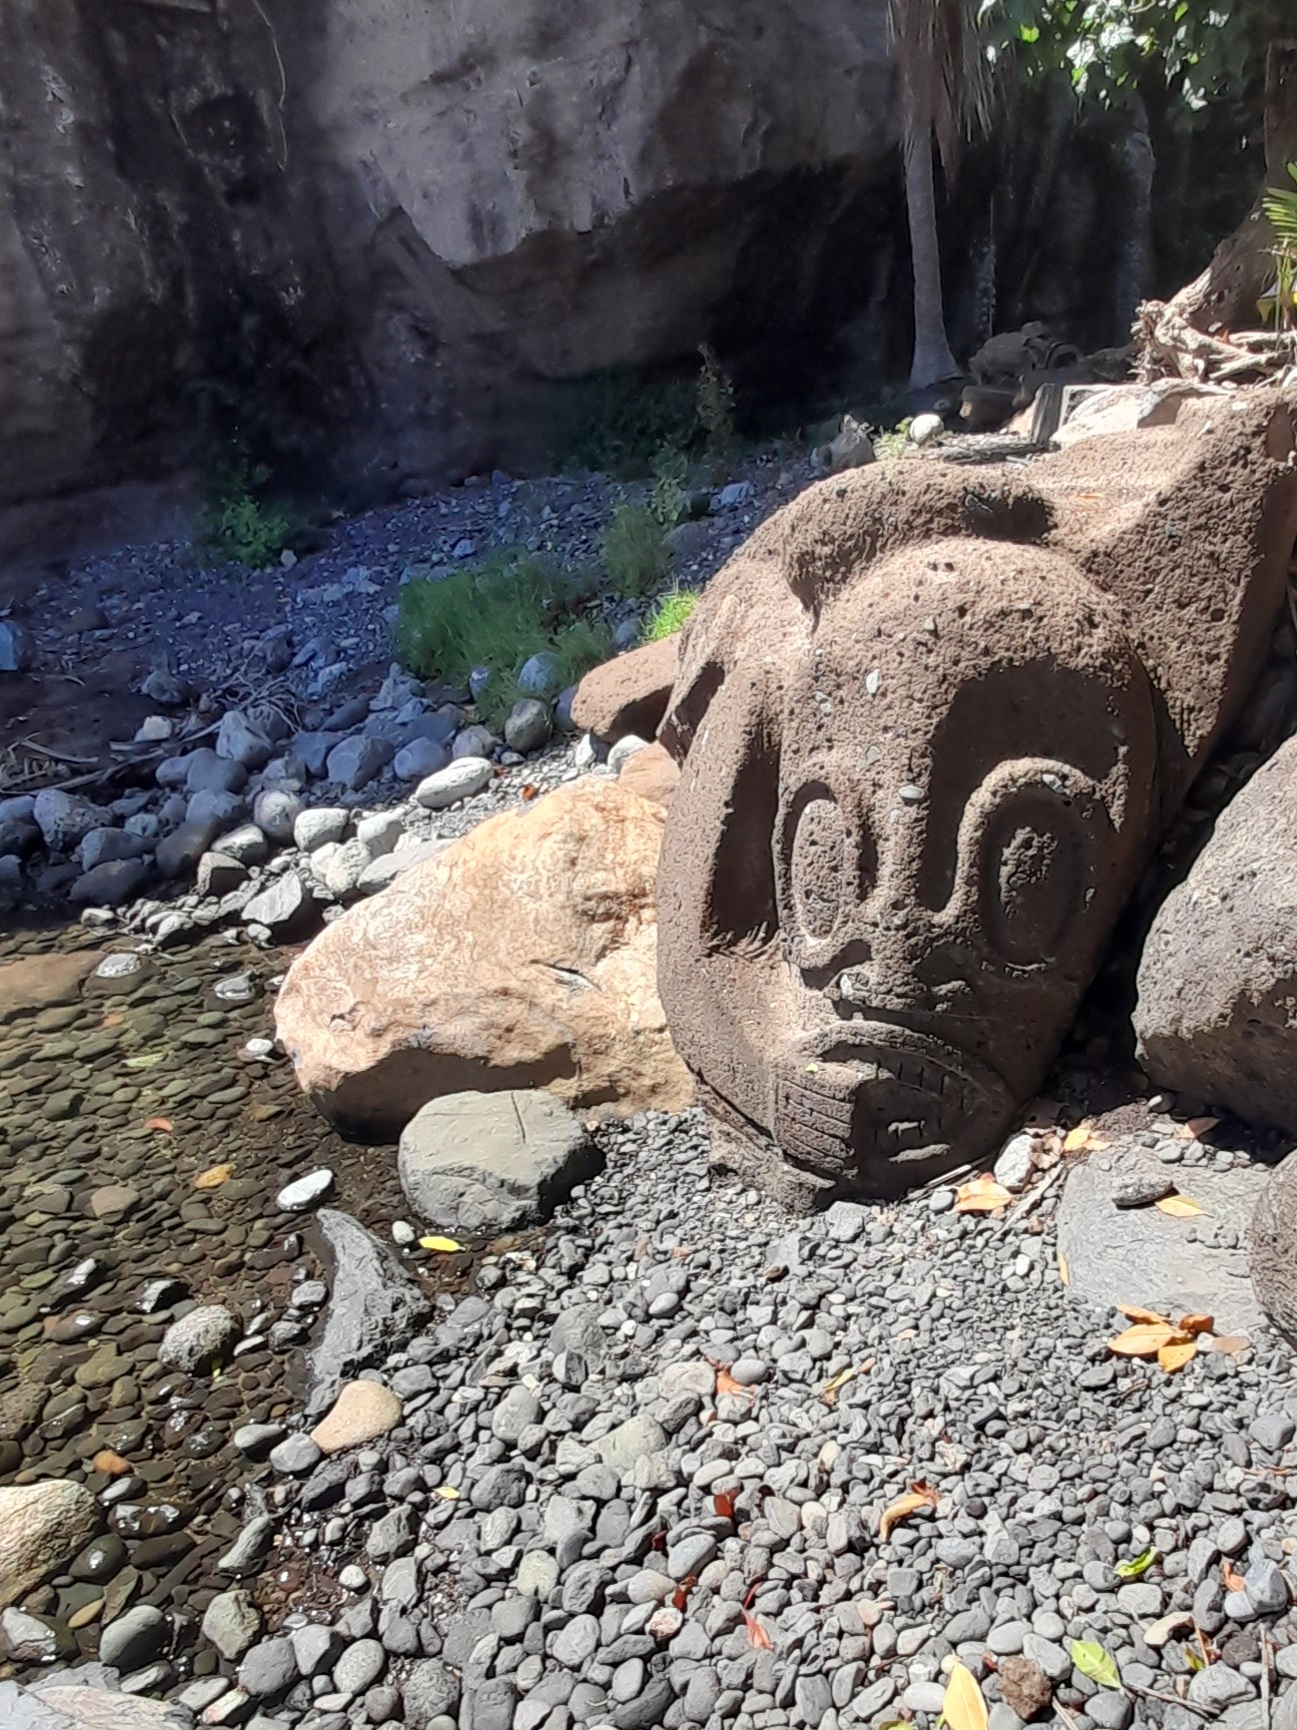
column 1138, row 1565
column 1092, row 1661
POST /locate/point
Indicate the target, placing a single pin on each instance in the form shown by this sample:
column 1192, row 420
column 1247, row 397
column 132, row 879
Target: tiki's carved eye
column 819, row 865
column 1034, row 863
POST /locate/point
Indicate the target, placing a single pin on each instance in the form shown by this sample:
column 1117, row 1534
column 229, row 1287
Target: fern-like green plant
column 234, row 525
column 1280, row 206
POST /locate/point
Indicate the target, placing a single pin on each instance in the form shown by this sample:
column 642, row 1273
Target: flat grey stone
column 483, row 1163
column 374, row 1307
column 1178, row 1275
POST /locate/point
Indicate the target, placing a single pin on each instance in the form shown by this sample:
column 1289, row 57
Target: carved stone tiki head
column 927, row 748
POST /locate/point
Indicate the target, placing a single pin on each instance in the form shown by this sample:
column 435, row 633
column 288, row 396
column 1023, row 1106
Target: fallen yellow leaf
column 1197, row 1126
column 1078, row 1139
column 441, row 1245
column 830, row 1391
column 919, row 1496
column 1178, row 1206
column 214, row 1177
column 1144, row 1340
column 1064, row 1272
column 1134, row 1313
column 447, row 1492
column 1175, row 1356
column 964, row 1708
column 981, row 1194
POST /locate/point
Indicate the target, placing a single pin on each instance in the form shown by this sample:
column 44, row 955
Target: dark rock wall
column 367, row 235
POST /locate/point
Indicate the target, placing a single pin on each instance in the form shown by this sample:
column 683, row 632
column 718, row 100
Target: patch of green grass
column 670, row 615
column 497, row 613
column 635, row 551
column 235, row 526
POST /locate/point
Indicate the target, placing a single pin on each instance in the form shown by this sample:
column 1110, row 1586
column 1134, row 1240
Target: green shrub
column 235, row 526
column 669, row 501
column 615, row 422
column 670, row 615
column 714, row 407
column 635, row 551
column 497, row 613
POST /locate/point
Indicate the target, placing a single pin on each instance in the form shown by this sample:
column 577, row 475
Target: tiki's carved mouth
column 886, row 1096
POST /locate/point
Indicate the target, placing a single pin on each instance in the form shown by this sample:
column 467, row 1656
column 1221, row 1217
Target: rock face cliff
column 373, row 229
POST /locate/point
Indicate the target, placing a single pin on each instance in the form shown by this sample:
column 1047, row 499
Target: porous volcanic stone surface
column 922, row 719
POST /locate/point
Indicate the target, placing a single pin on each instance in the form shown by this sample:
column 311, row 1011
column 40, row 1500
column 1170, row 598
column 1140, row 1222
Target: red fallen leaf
column 1233, row 1579
column 658, row 1541
column 680, row 1597
column 163, row 1124
column 724, row 1505
column 757, row 1635
column 530, row 791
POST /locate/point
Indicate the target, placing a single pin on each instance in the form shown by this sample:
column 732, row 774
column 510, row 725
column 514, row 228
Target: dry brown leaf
column 964, row 1708
column 1144, row 1340
column 981, row 1194
column 919, row 1496
column 110, row 1463
column 1133, row 1313
column 1064, row 1272
column 214, row 1177
column 1234, row 1344
column 725, row 1384
column 757, row 1635
column 1175, row 1356
column 114, row 1018
column 1178, row 1206
column 1196, row 1127
column 162, row 1124
column 1233, row 1580
column 1195, row 1324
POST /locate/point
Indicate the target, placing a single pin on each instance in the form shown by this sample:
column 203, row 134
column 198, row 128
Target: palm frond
column 945, row 74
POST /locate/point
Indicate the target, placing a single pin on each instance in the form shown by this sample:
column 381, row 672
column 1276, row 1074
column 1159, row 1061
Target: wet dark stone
column 99, row 1560
column 155, row 1553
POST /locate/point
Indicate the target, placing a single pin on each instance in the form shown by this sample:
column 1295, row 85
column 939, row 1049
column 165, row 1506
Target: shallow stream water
column 122, row 1100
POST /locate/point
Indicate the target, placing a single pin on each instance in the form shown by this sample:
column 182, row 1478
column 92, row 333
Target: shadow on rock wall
column 367, row 236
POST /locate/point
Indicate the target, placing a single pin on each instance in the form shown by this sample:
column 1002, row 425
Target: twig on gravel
column 154, row 755
column 1169, row 1699
column 1265, row 1678
column 54, row 756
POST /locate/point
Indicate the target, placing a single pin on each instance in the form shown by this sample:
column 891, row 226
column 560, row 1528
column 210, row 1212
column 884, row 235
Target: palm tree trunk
column 933, row 360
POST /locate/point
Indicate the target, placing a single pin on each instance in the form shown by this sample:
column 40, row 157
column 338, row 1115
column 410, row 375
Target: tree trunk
column 933, row 360
column 1225, row 296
